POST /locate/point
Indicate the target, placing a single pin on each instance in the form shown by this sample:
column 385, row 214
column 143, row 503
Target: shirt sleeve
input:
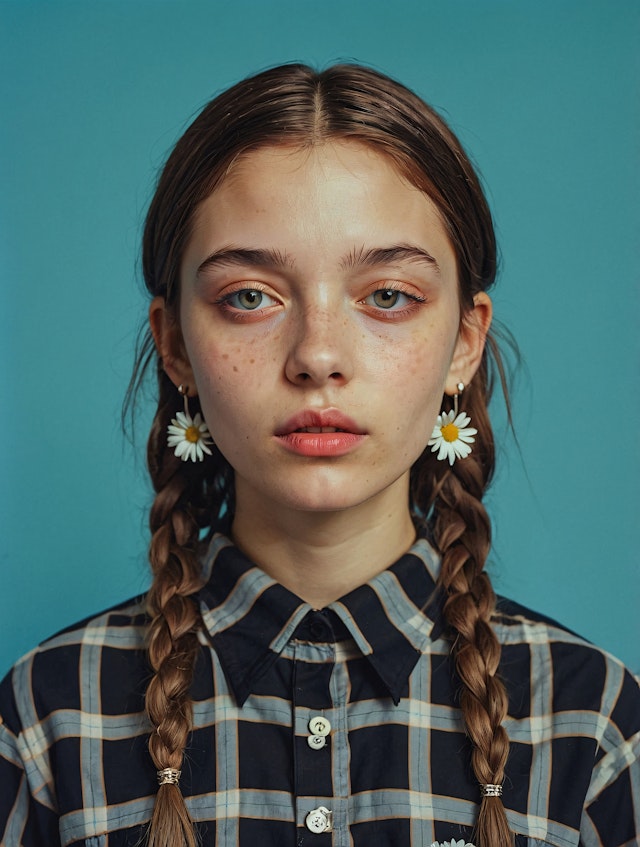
column 612, row 812
column 24, row 820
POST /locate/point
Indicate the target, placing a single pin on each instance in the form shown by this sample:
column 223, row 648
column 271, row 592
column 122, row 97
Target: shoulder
column 564, row 673
column 66, row 671
column 70, row 710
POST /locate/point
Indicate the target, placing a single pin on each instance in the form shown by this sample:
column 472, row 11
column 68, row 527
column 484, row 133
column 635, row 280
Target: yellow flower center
column 192, row 434
column 450, row 432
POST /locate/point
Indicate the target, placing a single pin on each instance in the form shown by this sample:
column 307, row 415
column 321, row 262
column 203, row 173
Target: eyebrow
column 389, row 255
column 259, row 258
column 277, row 260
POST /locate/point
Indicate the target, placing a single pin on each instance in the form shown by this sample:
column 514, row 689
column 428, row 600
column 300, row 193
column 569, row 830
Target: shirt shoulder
column 62, row 671
column 567, row 674
column 70, row 710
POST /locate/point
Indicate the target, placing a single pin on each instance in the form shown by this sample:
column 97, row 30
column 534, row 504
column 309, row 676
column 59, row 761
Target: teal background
column 545, row 96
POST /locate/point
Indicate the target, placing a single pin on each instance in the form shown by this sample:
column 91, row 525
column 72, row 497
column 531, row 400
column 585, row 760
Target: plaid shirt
column 332, row 728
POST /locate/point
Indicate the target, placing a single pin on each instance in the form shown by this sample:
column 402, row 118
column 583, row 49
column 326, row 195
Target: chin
column 339, row 496
column 322, row 503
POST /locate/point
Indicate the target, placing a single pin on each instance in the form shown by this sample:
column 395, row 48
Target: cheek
column 228, row 376
column 420, row 362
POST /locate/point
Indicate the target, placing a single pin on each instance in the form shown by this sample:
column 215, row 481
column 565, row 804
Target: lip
column 328, row 418
column 335, row 433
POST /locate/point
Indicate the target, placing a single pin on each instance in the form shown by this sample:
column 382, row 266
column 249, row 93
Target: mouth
column 319, row 422
column 326, row 434
column 321, row 429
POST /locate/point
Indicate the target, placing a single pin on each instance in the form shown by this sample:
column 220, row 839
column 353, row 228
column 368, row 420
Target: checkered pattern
column 394, row 770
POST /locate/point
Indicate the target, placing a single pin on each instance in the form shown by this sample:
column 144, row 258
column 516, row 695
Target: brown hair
column 294, row 104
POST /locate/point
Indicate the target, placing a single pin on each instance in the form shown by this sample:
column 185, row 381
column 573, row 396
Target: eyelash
column 395, row 313
column 225, row 302
column 236, row 311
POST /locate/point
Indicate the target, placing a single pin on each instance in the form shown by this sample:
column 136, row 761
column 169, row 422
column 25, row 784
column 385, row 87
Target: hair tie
column 490, row 790
column 168, row 776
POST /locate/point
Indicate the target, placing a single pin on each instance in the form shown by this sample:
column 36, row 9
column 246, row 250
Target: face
column 320, row 325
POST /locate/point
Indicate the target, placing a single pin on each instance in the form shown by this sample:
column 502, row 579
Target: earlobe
column 168, row 340
column 472, row 336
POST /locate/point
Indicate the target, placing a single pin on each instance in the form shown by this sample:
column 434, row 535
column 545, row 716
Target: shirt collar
column 250, row 618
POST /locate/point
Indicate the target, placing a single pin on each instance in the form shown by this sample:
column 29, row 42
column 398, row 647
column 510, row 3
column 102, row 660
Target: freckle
column 235, row 368
column 252, row 361
column 225, row 355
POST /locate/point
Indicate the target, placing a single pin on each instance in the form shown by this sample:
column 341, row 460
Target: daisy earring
column 189, row 436
column 452, row 435
column 452, row 843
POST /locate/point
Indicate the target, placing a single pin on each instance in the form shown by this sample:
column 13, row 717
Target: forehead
column 330, row 198
column 323, row 160
column 346, row 168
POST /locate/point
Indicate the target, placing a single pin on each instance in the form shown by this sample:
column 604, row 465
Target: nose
column 320, row 350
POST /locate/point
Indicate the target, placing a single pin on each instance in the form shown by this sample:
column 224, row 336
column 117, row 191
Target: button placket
column 315, row 662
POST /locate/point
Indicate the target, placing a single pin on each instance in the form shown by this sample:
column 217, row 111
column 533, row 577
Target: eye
column 385, row 298
column 248, row 300
column 389, row 299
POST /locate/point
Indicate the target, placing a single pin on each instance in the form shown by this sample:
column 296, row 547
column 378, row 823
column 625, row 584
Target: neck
column 320, row 556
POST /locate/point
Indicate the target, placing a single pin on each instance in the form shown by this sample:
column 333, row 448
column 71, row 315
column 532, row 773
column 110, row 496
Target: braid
column 294, row 104
column 462, row 533
column 175, row 521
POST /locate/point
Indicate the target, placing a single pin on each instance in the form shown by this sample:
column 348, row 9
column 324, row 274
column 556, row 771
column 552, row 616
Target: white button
column 319, row 725
column 316, row 742
column 319, row 820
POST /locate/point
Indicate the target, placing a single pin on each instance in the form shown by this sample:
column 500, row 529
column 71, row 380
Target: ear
column 169, row 344
column 469, row 348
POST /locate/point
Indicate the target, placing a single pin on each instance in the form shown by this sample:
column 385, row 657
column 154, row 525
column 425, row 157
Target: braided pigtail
column 292, row 105
column 181, row 508
column 462, row 533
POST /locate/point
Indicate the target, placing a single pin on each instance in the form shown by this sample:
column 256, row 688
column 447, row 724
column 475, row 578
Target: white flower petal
column 468, row 439
column 452, row 843
column 468, row 431
column 182, row 448
column 446, row 451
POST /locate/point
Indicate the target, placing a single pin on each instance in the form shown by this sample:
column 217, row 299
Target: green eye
column 386, row 298
column 248, row 299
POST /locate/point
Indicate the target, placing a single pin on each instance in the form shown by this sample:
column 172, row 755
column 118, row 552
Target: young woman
column 321, row 659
